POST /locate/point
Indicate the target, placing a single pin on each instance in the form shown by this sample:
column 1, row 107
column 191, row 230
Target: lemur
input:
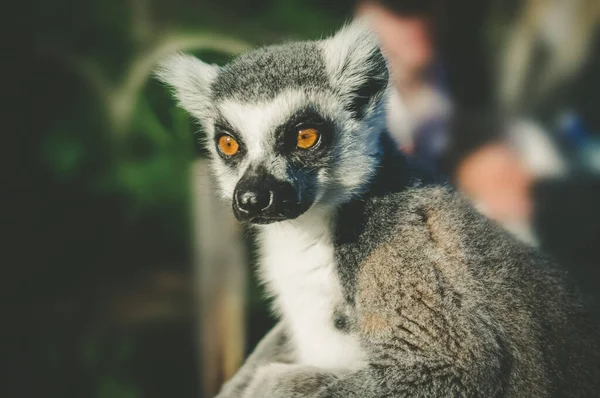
column 386, row 283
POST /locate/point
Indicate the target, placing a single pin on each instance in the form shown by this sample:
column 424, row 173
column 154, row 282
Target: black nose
column 260, row 198
column 253, row 202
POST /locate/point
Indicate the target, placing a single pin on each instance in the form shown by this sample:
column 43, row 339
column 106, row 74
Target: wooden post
column 220, row 273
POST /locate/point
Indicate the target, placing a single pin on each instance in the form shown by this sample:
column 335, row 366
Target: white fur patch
column 347, row 53
column 190, row 78
column 298, row 267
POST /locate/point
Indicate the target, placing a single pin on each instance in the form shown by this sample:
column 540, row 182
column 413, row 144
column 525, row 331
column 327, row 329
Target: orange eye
column 307, row 138
column 228, row 145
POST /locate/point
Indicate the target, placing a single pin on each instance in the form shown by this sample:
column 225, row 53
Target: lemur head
column 291, row 126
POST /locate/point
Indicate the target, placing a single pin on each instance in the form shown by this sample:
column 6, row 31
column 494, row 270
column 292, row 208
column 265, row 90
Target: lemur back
column 467, row 309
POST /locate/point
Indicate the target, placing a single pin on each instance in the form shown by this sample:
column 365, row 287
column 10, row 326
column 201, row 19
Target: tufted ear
column 356, row 66
column 190, row 79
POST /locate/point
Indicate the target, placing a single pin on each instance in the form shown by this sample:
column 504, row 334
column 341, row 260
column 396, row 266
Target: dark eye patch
column 286, row 135
column 222, row 127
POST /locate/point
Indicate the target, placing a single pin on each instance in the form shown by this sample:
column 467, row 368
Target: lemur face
column 289, row 127
column 273, row 165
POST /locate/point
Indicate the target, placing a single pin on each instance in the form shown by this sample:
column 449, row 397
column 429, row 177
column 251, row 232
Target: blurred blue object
column 572, row 128
column 583, row 144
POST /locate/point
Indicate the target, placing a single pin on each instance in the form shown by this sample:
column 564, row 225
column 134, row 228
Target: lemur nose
column 260, row 198
column 253, row 202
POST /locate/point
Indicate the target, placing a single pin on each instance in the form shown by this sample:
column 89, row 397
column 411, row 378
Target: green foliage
column 64, row 153
column 153, row 168
column 107, row 365
column 114, row 388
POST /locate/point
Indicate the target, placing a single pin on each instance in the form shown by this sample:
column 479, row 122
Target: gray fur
column 273, row 348
column 448, row 304
column 451, row 305
column 262, row 74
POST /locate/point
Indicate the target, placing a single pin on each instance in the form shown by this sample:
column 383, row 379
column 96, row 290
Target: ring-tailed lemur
column 386, row 286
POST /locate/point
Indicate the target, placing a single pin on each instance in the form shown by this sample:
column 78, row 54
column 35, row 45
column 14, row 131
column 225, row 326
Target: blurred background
column 124, row 276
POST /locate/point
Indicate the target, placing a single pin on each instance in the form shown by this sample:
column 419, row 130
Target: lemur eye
column 228, row 145
column 307, row 138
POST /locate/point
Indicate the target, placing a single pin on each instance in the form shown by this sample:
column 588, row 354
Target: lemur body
column 386, row 286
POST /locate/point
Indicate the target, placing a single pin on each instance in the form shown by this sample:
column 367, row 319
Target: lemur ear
column 356, row 66
column 191, row 80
